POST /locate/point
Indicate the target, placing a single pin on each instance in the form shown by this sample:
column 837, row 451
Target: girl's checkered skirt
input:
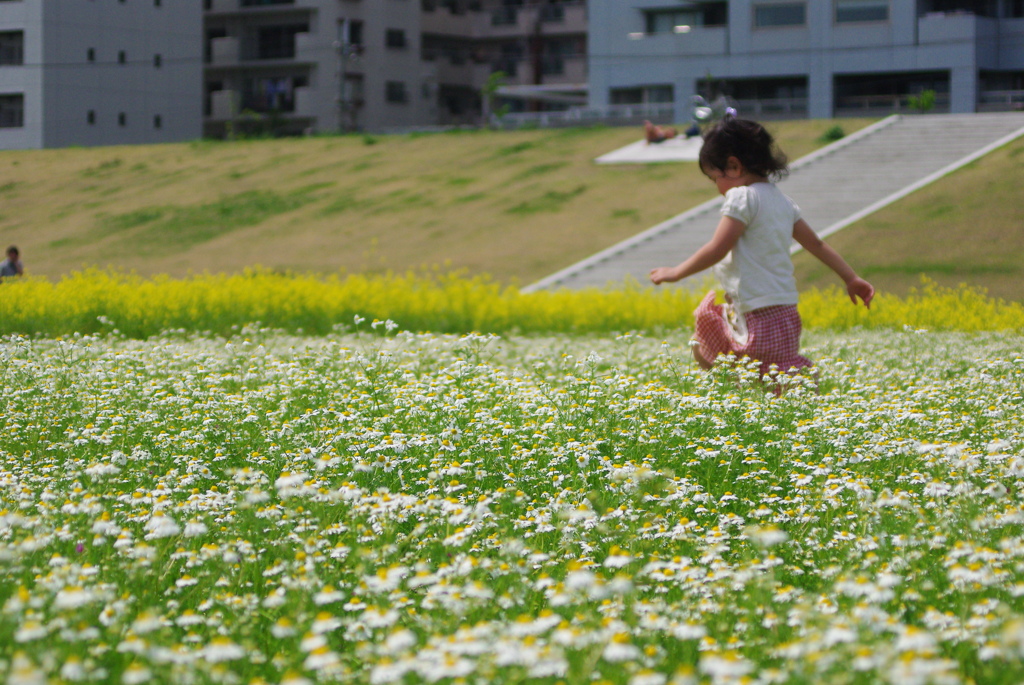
column 770, row 335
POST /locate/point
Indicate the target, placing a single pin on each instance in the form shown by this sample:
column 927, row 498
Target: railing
column 888, row 103
column 1001, row 100
column 552, row 13
column 504, row 16
column 552, row 65
column 773, row 107
column 583, row 116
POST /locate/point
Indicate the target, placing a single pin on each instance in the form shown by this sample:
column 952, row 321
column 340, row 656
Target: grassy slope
column 965, row 228
column 516, row 205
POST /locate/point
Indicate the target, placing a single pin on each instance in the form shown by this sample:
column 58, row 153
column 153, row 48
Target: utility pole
column 347, row 104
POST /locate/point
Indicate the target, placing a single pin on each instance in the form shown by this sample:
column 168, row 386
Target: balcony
column 224, row 52
column 697, row 40
column 230, row 51
column 773, row 108
column 224, row 105
column 225, row 7
column 554, row 69
column 566, row 18
column 1001, row 101
column 460, row 72
column 883, row 105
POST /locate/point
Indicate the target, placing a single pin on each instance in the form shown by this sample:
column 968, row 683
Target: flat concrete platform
column 678, row 149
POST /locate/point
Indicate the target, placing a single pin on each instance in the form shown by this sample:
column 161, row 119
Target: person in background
column 11, row 266
column 658, row 134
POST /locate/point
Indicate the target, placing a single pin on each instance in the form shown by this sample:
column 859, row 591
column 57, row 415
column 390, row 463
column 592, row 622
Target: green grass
column 515, row 205
column 386, row 507
column 965, row 228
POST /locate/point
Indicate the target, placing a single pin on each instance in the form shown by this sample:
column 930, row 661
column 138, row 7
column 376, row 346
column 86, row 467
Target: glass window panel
column 781, row 14
column 861, row 10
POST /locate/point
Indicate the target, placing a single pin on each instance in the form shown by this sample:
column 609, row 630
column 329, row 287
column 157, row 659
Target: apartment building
column 292, row 66
column 539, row 46
column 817, row 58
column 99, row 72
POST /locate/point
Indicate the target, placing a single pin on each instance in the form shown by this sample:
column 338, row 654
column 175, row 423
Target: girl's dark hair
column 747, row 141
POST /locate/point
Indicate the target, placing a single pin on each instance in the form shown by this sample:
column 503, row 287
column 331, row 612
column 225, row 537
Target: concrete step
column 834, row 186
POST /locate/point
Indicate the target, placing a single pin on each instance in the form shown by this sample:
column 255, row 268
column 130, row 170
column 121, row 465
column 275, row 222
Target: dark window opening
column 693, row 15
column 12, row 110
column 394, row 38
column 852, row 11
column 158, row 61
column 278, row 42
column 158, row 121
column 122, row 57
column 122, row 119
column 889, row 91
column 394, row 91
column 782, row 14
column 271, row 93
column 12, row 47
column 90, row 117
column 981, row 8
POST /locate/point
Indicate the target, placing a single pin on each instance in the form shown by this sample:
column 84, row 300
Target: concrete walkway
column 834, row 186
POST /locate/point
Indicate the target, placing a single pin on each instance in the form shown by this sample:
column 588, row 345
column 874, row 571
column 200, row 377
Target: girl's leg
column 701, row 360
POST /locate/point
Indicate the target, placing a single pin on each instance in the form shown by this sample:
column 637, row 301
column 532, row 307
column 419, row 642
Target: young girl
column 750, row 253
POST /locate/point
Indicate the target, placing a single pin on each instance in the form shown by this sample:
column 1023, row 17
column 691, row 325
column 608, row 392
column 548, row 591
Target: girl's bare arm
column 855, row 285
column 728, row 232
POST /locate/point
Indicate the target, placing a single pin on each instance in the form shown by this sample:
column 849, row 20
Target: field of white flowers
column 409, row 508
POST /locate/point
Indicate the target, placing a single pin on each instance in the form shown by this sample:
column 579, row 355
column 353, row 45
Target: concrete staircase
column 834, row 187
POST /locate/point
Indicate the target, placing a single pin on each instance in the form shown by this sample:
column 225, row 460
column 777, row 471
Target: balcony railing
column 1001, row 101
column 585, row 116
column 767, row 108
column 878, row 104
column 505, row 16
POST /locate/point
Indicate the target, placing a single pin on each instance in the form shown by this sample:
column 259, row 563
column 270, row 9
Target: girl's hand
column 858, row 287
column 663, row 274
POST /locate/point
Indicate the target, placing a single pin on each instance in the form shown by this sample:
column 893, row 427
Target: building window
column 12, row 110
column 122, row 119
column 780, row 14
column 90, row 117
column 667, row 21
column 12, row 47
column 122, row 57
column 90, row 54
column 278, row 42
column 394, row 38
column 350, row 31
column 158, row 122
column 158, row 61
column 394, row 91
column 848, row 11
column 642, row 96
column 157, row 3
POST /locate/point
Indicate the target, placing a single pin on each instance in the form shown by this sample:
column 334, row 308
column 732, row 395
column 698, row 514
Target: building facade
column 788, row 58
column 293, row 66
column 101, row 72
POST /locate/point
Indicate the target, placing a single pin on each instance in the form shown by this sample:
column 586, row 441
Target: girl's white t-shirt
column 758, row 272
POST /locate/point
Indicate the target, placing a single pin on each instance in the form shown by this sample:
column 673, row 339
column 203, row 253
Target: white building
column 817, row 58
column 99, row 72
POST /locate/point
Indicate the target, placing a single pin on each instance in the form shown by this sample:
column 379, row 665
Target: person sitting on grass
column 750, row 254
column 12, row 265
